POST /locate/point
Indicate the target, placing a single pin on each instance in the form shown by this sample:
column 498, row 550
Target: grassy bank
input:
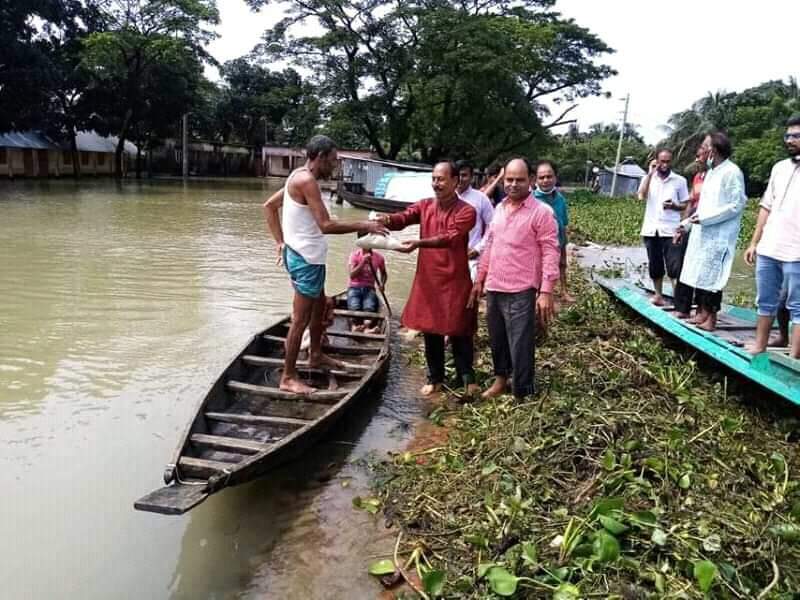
column 618, row 221
column 636, row 473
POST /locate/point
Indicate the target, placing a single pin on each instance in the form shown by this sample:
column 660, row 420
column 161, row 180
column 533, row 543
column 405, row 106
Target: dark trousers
column 709, row 301
column 512, row 326
column 683, row 294
column 663, row 257
column 462, row 347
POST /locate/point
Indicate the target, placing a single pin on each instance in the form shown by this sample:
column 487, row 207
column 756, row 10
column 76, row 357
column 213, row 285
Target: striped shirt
column 521, row 249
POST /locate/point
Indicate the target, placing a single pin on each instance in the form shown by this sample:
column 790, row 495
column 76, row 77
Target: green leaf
column 483, row 568
column 612, row 525
column 605, row 547
column 705, row 572
column 529, row 554
column 382, row 567
column 489, row 469
column 371, row 505
column 685, row 481
column 501, row 581
column 644, row 517
column 788, row 532
column 659, row 537
column 606, row 505
column 433, row 582
column 660, row 583
column 566, row 591
column 609, row 460
column 477, row 540
column 796, row 510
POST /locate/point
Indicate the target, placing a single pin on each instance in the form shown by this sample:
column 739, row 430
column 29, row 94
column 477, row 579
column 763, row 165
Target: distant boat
column 773, row 370
column 246, row 425
column 381, row 185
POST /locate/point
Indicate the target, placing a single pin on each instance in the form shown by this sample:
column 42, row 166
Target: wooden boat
column 736, row 326
column 246, row 425
column 370, row 202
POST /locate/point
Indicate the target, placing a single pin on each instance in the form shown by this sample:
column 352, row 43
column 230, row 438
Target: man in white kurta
column 715, row 229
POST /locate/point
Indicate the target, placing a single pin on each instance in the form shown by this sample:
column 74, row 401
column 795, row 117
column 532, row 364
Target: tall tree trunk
column 123, row 131
column 76, row 159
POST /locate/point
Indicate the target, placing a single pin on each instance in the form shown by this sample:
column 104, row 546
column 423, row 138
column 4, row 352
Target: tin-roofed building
column 629, row 176
column 33, row 154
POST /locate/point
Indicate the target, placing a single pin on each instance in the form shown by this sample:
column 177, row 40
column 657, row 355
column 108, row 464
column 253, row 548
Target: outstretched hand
column 408, row 247
column 376, row 227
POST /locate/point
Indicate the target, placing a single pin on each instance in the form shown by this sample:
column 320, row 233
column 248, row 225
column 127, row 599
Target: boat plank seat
column 351, row 350
column 358, row 314
column 239, row 419
column 200, row 467
column 227, row 444
column 302, row 364
column 266, row 361
column 356, row 335
column 326, row 396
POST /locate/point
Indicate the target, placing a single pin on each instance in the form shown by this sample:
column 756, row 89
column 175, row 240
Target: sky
column 668, row 54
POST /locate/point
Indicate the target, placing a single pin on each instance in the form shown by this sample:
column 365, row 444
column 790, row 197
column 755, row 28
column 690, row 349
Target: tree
column 440, row 77
column 754, row 119
column 598, row 145
column 146, row 65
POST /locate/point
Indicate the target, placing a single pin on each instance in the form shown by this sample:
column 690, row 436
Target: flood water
column 120, row 305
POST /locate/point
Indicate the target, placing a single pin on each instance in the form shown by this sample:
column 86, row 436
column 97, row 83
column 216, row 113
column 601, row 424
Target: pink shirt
column 365, row 277
column 521, row 250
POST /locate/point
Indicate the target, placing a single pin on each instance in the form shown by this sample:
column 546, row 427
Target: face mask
column 539, row 189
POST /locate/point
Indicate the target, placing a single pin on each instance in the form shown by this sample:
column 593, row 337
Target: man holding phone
column 666, row 194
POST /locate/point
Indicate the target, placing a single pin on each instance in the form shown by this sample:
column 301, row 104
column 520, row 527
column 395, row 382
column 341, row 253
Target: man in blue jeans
column 364, row 266
column 775, row 247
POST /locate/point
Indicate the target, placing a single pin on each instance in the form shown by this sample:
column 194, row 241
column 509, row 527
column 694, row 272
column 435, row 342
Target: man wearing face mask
column 684, row 295
column 714, row 231
column 437, row 305
column 775, row 247
column 666, row 194
column 545, row 191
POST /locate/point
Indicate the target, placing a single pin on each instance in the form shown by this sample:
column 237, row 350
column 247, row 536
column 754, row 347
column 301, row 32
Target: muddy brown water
column 120, row 305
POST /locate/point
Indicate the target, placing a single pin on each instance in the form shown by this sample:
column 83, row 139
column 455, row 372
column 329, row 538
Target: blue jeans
column 362, row 298
column 773, row 276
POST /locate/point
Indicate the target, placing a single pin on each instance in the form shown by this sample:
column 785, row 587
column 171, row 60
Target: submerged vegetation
column 618, row 221
column 637, row 472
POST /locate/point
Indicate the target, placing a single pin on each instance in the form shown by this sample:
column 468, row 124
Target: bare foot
column 710, row 324
column 778, row 342
column 497, row 388
column 323, row 360
column 682, row 315
column 430, row 388
column 699, row 318
column 290, row 384
column 658, row 300
column 753, row 348
column 472, row 390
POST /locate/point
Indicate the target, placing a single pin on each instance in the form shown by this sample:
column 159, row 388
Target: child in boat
column 364, row 267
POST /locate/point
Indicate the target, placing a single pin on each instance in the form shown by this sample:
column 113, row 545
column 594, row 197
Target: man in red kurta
column 437, row 305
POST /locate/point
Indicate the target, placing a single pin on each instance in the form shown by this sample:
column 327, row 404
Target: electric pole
column 619, row 144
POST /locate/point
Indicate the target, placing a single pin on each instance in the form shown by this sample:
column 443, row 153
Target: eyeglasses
column 791, row 136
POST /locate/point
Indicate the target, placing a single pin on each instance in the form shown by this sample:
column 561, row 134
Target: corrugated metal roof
column 629, row 170
column 87, row 141
column 26, row 139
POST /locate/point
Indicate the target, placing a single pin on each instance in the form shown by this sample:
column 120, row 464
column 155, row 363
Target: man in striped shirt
column 518, row 269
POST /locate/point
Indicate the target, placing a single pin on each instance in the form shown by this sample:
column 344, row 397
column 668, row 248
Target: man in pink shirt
column 364, row 267
column 518, row 269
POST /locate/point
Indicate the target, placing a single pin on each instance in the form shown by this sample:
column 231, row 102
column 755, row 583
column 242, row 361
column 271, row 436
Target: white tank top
column 300, row 231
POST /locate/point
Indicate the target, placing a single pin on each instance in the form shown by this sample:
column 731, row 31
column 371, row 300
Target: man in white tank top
column 298, row 221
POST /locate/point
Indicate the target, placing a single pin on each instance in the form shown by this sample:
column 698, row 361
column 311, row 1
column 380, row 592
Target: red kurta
column 441, row 288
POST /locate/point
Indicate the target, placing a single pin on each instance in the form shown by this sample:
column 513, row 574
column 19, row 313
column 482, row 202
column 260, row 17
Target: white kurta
column 712, row 245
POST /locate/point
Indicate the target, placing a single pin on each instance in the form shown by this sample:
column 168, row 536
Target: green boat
column 736, row 326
